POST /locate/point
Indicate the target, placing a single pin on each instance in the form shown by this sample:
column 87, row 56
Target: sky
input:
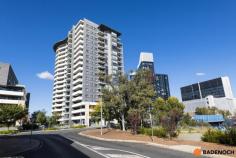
column 192, row 40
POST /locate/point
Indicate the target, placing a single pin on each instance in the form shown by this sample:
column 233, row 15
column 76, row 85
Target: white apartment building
column 88, row 52
column 10, row 91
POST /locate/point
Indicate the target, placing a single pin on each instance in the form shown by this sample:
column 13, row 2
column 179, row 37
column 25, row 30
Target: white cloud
column 200, row 74
column 45, row 75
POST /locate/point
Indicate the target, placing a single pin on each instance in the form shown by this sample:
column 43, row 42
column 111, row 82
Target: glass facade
column 160, row 81
column 162, row 86
column 203, row 89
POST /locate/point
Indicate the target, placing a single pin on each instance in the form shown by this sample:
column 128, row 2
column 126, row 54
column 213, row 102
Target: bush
column 230, row 137
column 159, row 132
column 79, row 126
column 9, row 132
column 215, row 136
column 212, row 135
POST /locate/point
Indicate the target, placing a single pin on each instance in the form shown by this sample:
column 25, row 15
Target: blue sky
column 186, row 37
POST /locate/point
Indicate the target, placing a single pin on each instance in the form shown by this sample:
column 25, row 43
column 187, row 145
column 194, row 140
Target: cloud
column 200, row 74
column 45, row 75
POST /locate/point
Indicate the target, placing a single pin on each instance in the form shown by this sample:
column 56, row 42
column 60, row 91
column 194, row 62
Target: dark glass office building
column 162, row 86
column 215, row 87
column 160, row 81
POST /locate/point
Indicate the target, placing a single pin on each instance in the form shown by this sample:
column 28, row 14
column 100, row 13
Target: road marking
column 123, row 156
column 100, row 148
column 99, row 153
column 96, row 149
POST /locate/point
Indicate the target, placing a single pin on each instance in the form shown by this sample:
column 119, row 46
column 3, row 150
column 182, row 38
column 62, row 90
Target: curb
column 176, row 147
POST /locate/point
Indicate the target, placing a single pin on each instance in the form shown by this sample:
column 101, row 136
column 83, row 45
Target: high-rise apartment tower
column 82, row 58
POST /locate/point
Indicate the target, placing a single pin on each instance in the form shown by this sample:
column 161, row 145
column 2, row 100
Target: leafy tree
column 168, row 113
column 9, row 114
column 142, row 93
column 53, row 120
column 41, row 118
column 134, row 119
column 187, row 120
column 96, row 114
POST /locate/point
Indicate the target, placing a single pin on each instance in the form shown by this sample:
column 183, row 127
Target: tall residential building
column 160, row 81
column 87, row 53
column 212, row 93
column 162, row 86
column 10, row 90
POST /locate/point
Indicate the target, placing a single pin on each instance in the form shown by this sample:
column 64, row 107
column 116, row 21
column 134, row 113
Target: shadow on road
column 51, row 145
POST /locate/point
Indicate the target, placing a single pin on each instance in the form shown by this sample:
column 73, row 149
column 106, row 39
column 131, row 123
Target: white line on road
column 96, row 149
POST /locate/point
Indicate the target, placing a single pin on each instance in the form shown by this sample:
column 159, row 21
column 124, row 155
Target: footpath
column 174, row 144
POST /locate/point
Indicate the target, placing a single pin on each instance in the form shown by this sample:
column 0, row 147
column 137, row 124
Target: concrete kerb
column 182, row 148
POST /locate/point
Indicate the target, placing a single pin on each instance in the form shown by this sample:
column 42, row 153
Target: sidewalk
column 175, row 144
column 12, row 145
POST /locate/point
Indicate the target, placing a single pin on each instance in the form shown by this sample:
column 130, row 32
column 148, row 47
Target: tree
column 9, row 114
column 187, row 120
column 96, row 113
column 134, row 119
column 41, row 118
column 53, row 120
column 142, row 93
column 168, row 113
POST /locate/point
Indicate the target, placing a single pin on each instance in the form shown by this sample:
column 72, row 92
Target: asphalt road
column 68, row 144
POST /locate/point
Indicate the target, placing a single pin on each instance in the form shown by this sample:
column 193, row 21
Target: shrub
column 79, row 126
column 9, row 132
column 215, row 136
column 212, row 136
column 159, row 132
column 230, row 137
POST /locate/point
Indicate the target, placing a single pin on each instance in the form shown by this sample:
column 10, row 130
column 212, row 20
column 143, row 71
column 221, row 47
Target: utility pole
column 150, row 114
column 101, row 115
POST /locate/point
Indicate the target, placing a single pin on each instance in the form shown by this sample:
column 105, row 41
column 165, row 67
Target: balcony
column 79, row 98
column 77, row 87
column 77, row 80
column 79, row 92
column 77, row 117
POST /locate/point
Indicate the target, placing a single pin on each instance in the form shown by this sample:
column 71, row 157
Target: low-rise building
column 10, row 90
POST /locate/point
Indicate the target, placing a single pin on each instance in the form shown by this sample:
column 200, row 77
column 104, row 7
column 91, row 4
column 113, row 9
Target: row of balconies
column 78, row 53
column 77, row 80
column 77, row 87
column 79, row 58
column 80, row 47
column 79, row 98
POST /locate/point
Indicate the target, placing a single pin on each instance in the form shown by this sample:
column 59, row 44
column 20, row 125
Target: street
column 67, row 143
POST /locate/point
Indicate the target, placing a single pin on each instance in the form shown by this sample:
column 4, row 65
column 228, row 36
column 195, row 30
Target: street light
column 150, row 115
column 101, row 115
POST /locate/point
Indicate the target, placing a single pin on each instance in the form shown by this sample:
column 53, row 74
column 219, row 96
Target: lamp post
column 101, row 115
column 150, row 115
